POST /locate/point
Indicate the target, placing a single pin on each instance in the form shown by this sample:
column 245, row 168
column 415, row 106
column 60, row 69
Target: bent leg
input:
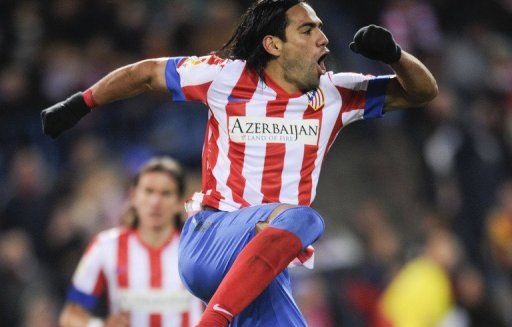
column 262, row 259
column 210, row 242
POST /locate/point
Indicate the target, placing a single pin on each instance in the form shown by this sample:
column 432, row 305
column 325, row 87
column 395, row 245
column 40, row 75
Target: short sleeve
column 362, row 96
column 189, row 78
column 89, row 280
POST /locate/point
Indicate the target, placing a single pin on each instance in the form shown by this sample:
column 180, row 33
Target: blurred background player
column 137, row 265
column 421, row 294
column 274, row 113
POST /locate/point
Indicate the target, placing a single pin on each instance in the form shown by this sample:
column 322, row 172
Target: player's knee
column 305, row 222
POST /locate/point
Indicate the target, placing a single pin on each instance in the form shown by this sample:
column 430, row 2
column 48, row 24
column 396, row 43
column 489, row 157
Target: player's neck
column 276, row 73
column 155, row 237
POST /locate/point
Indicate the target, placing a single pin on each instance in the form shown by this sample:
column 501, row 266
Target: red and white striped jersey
column 262, row 144
column 137, row 278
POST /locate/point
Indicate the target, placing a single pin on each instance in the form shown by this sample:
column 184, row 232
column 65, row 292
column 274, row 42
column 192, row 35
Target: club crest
column 316, row 99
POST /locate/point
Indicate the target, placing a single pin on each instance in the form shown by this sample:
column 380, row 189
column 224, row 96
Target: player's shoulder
column 341, row 78
column 109, row 236
column 355, row 81
column 211, row 60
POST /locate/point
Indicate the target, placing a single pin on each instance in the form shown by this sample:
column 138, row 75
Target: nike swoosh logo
column 217, row 307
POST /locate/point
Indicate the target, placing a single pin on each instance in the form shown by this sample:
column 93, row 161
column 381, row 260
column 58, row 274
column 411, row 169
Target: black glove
column 377, row 43
column 64, row 115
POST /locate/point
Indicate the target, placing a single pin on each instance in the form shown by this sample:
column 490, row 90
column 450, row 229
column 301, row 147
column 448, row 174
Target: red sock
column 262, row 259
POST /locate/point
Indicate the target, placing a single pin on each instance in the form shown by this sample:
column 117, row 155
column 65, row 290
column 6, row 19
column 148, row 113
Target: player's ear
column 273, row 45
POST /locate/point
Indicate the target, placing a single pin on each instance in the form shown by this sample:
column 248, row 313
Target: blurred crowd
column 418, row 203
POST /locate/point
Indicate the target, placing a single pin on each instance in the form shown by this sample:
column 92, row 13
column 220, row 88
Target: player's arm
column 74, row 315
column 128, row 81
column 413, row 84
column 122, row 83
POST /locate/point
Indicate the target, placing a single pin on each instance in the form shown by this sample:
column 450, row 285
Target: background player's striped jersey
column 137, row 278
column 262, row 144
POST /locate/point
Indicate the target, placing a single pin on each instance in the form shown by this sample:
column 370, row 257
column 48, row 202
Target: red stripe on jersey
column 214, row 60
column 308, row 162
column 209, row 161
column 182, row 61
column 155, row 270
column 185, row 319
column 196, row 92
column 243, row 90
column 351, row 100
column 122, row 259
column 271, row 181
column 101, row 282
column 155, row 320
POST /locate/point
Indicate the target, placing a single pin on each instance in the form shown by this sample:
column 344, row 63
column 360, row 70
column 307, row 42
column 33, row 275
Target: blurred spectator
column 29, row 203
column 421, row 293
column 382, row 259
column 413, row 24
column 64, row 243
column 312, row 297
column 476, row 308
column 21, row 280
column 499, row 228
column 499, row 236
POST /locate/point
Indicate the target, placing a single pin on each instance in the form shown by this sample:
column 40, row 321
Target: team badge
column 316, row 99
column 192, row 61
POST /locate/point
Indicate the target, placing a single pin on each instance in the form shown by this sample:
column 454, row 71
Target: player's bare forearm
column 414, row 84
column 122, row 83
column 130, row 80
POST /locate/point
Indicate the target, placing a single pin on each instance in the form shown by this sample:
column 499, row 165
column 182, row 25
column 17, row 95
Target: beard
column 301, row 73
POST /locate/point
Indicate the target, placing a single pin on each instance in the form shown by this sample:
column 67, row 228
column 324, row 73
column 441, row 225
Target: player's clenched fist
column 377, row 43
column 64, row 115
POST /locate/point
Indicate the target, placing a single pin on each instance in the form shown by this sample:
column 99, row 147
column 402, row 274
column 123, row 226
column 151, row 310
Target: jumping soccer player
column 137, row 265
column 274, row 112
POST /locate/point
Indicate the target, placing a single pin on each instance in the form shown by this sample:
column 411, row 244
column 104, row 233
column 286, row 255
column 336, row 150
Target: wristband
column 88, row 99
column 95, row 322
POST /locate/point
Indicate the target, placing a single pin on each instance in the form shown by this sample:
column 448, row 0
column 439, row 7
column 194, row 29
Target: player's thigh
column 211, row 241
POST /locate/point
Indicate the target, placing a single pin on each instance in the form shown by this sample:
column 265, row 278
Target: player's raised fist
column 64, row 115
column 377, row 43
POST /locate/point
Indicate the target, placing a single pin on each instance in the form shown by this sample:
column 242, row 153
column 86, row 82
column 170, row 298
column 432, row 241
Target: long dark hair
column 264, row 17
column 164, row 165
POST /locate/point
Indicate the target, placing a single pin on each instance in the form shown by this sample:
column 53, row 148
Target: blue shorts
column 210, row 242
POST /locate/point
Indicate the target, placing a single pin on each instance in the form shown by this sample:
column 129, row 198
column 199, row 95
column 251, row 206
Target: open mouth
column 321, row 64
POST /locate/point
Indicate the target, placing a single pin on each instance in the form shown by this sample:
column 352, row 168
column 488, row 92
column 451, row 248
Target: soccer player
column 274, row 112
column 137, row 266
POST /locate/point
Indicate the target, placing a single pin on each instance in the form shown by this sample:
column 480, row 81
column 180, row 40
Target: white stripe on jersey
column 138, row 276
column 293, row 156
column 253, row 163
